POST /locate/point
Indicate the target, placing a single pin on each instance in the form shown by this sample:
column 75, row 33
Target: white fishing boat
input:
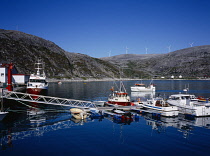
column 160, row 105
column 37, row 82
column 189, row 104
column 78, row 113
column 140, row 87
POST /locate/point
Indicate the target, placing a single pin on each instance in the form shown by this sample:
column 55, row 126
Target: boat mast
column 38, row 67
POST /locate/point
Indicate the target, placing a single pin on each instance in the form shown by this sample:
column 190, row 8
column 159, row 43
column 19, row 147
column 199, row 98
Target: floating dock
column 48, row 100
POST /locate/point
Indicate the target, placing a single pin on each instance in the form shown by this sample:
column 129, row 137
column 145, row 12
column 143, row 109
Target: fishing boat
column 140, row 87
column 161, row 106
column 119, row 97
column 189, row 105
column 78, row 113
column 37, row 82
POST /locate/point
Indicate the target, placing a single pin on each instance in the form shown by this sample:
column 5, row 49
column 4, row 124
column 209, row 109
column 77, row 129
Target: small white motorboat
column 158, row 104
column 78, row 113
column 189, row 105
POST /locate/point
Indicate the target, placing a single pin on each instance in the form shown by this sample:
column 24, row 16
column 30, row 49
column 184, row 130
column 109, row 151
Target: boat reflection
column 181, row 123
column 36, row 122
column 79, row 121
column 142, row 95
column 33, row 123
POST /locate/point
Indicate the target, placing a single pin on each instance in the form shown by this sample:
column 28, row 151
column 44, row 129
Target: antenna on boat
column 38, row 67
column 186, row 88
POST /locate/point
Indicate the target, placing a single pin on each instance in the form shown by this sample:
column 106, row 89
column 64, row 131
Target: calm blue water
column 55, row 132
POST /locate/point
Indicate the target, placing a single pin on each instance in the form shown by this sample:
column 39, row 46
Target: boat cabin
column 120, row 94
column 157, row 102
column 140, row 85
column 183, row 97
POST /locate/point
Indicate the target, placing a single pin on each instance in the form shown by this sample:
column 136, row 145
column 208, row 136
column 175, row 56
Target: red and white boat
column 37, row 82
column 119, row 97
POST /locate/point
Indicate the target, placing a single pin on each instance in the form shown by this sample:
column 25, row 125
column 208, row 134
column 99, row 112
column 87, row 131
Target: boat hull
column 119, row 103
column 78, row 113
column 37, row 91
column 2, row 115
column 165, row 111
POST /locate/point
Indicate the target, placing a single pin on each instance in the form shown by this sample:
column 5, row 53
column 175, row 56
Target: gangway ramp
column 56, row 101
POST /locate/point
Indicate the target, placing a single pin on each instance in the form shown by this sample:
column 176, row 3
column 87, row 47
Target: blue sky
column 96, row 27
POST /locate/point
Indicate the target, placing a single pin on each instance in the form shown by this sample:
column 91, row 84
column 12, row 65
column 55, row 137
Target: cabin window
column 37, row 80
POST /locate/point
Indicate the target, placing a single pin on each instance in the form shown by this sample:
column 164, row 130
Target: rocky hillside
column 24, row 49
column 190, row 63
column 89, row 67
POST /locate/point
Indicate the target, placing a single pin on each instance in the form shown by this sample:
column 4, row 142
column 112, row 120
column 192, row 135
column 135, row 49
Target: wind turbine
column 191, row 44
column 146, row 49
column 169, row 48
column 109, row 53
column 126, row 50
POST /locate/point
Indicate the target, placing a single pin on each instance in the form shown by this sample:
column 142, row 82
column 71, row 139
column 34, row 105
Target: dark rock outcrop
column 24, row 49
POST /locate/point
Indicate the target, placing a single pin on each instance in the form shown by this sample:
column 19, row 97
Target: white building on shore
column 19, row 79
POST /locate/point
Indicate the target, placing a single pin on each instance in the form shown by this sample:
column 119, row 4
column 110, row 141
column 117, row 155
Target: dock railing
column 56, row 101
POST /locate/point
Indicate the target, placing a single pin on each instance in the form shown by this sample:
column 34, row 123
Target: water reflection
column 33, row 123
column 37, row 122
column 24, row 122
column 142, row 95
column 181, row 123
